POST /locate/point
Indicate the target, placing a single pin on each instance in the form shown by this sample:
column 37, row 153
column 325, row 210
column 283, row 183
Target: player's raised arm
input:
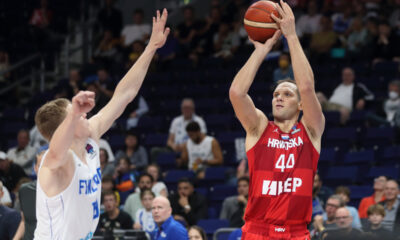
column 250, row 117
column 130, row 84
column 312, row 113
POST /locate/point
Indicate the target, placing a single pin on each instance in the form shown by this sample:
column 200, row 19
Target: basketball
column 258, row 22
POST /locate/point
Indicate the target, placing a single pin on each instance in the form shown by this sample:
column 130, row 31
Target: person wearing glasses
column 326, row 221
column 345, row 231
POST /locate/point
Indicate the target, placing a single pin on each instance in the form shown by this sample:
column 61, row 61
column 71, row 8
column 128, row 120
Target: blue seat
column 332, row 118
column 212, row 225
column 156, row 139
column 173, row 176
column 220, row 192
column 391, row 172
column 378, row 137
column 341, row 137
column 367, row 156
column 166, row 160
column 215, row 173
column 391, row 153
column 338, row 175
column 229, row 137
column 327, row 155
column 358, row 192
column 116, row 141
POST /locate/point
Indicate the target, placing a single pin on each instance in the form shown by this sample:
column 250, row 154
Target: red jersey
column 282, row 168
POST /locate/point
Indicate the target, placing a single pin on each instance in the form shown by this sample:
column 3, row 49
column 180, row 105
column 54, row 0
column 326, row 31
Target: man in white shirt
column 136, row 31
column 177, row 132
column 308, row 23
column 23, row 153
column 347, row 96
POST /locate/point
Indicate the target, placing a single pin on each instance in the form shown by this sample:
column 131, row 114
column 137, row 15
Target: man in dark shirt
column 10, row 173
column 9, row 220
column 345, row 231
column 188, row 205
column 113, row 218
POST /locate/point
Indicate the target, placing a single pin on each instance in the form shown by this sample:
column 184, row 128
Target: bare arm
column 62, row 138
column 216, row 150
column 183, row 160
column 313, row 118
column 130, row 84
column 249, row 116
column 21, row 229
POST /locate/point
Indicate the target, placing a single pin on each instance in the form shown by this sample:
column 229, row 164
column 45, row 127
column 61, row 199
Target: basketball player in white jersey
column 69, row 178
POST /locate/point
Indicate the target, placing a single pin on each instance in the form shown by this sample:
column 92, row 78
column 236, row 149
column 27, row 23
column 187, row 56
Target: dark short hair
column 109, row 193
column 244, row 178
column 193, row 126
column 107, row 178
column 200, row 230
column 146, row 175
column 146, row 191
column 343, row 189
column 185, row 180
column 138, row 11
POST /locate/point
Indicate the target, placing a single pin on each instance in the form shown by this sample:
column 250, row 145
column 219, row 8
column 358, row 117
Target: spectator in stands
column 342, row 20
column 136, row 110
column 41, row 17
column 110, row 18
column 386, row 44
column 27, row 202
column 177, row 133
column 136, row 49
column 159, row 188
column 327, row 220
column 107, row 184
column 233, row 207
column 309, row 23
column 344, row 192
column 6, row 199
column 391, row 221
column 284, row 70
column 138, row 30
column 100, row 98
column 144, row 218
column 4, row 65
column 113, row 218
column 197, row 233
column 358, row 38
column 376, row 213
column 317, row 208
column 168, row 228
column 186, row 31
column 10, row 173
column 322, row 40
column 392, row 104
column 107, row 168
column 22, row 154
column 105, row 83
column 323, row 192
column 343, row 220
column 188, row 205
column 105, row 145
column 226, row 41
column 395, row 18
column 107, row 47
column 347, row 96
column 9, row 220
column 134, row 151
column 133, row 202
column 124, row 178
column 200, row 152
column 376, row 197
column 67, row 88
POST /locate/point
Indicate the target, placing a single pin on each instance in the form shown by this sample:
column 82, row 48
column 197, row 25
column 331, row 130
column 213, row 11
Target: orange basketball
column 258, row 21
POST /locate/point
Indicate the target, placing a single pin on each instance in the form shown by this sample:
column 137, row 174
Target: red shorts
column 256, row 231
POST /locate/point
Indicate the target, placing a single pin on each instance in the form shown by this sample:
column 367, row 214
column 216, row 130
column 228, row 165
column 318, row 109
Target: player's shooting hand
column 82, row 102
column 286, row 23
column 267, row 46
column 159, row 33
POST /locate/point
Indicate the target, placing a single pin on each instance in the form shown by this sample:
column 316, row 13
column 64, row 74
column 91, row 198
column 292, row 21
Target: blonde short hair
column 49, row 116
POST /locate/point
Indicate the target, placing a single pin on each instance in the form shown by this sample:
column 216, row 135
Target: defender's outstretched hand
column 286, row 23
column 83, row 102
column 159, row 33
column 267, row 46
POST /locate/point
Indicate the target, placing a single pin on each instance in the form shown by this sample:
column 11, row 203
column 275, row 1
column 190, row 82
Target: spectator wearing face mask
column 285, row 68
column 392, row 104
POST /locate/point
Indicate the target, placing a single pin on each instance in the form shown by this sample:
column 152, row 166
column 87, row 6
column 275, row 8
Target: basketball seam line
column 262, row 10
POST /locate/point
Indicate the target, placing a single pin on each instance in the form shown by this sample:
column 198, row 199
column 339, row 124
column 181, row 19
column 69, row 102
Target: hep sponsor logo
column 276, row 188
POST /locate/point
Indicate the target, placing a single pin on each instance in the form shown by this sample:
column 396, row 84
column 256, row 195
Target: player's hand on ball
column 286, row 23
column 83, row 102
column 159, row 33
column 267, row 46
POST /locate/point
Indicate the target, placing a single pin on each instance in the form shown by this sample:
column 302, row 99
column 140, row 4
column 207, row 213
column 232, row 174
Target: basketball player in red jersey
column 282, row 154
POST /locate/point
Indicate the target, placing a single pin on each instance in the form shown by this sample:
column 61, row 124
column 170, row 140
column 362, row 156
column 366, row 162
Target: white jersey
column 74, row 213
column 202, row 150
column 145, row 219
